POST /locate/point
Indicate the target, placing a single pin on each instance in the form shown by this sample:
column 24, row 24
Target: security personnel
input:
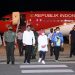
column 34, row 48
column 49, row 39
column 19, row 42
column 72, row 41
column 9, row 41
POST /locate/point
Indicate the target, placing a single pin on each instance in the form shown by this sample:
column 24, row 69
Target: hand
column 43, row 46
column 52, row 44
column 62, row 45
column 24, row 44
column 15, row 46
column 4, row 44
column 33, row 44
column 69, row 43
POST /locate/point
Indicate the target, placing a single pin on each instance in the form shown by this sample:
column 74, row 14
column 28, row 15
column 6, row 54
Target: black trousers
column 20, row 46
column 51, row 49
column 42, row 54
column 28, row 51
column 72, row 50
column 34, row 51
column 10, row 51
column 56, row 52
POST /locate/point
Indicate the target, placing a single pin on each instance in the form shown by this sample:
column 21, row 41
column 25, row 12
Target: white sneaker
column 43, row 62
column 27, row 63
column 39, row 60
column 56, row 61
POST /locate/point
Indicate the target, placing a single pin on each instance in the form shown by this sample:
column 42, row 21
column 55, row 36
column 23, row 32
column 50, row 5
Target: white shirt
column 50, row 35
column 28, row 38
column 42, row 40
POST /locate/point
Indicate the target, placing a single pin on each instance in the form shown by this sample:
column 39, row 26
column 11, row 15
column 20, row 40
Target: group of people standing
column 26, row 41
column 31, row 42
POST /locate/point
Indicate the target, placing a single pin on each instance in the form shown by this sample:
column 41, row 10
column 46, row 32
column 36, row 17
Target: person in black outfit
column 72, row 41
column 49, row 39
column 34, row 48
column 19, row 42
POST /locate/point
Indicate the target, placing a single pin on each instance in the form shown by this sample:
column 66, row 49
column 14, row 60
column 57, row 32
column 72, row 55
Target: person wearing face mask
column 42, row 46
column 57, row 42
column 9, row 39
column 72, row 41
column 49, row 39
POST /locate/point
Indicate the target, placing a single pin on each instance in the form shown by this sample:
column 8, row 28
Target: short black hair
column 51, row 29
column 57, row 28
column 74, row 25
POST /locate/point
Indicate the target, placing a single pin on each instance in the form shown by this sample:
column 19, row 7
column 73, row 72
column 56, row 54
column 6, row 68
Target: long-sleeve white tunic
column 42, row 43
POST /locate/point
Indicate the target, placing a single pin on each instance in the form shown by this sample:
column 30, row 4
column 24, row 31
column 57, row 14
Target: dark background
column 8, row 6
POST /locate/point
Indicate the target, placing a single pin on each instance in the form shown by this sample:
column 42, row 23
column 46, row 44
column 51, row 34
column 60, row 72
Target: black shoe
column 70, row 56
column 24, row 61
column 28, row 62
column 12, row 63
column 51, row 54
column 8, row 62
column 21, row 54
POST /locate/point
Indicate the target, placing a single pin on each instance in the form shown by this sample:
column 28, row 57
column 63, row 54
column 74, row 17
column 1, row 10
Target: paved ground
column 50, row 68
column 64, row 56
column 65, row 66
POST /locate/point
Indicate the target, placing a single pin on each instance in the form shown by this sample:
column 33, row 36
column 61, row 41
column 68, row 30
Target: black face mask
column 51, row 31
column 10, row 29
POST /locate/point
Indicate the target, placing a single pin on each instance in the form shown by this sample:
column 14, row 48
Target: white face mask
column 43, row 33
column 57, row 31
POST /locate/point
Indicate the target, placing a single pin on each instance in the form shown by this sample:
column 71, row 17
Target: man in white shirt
column 28, row 42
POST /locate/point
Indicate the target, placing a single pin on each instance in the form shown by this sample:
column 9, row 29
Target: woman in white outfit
column 42, row 47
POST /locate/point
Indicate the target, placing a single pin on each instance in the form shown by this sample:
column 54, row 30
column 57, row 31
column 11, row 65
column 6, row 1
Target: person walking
column 19, row 42
column 35, row 48
column 72, row 41
column 28, row 42
column 42, row 47
column 57, row 42
column 49, row 39
column 9, row 42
